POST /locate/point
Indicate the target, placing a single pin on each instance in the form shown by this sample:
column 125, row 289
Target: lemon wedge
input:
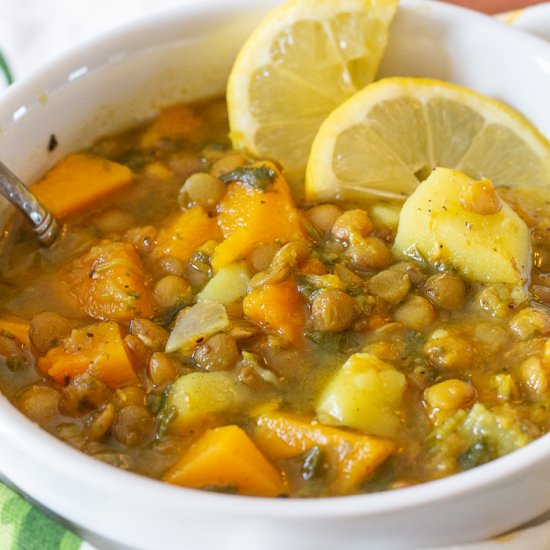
column 388, row 137
column 301, row 62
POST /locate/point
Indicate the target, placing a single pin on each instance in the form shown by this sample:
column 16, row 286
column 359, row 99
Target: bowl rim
column 60, row 456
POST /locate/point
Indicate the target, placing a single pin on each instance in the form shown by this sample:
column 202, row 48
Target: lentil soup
column 197, row 325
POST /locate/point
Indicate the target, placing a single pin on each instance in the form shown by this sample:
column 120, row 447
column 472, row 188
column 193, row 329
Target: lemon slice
column 301, row 62
column 388, row 137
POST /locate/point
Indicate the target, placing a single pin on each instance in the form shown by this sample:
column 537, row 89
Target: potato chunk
column 364, row 394
column 199, row 398
column 444, row 222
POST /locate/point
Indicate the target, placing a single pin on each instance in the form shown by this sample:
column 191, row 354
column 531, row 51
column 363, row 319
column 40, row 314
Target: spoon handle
column 44, row 225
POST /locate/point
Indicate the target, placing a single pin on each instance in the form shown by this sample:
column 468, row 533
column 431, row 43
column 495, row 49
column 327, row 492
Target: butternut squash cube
column 353, row 457
column 99, row 348
column 80, row 181
column 227, row 458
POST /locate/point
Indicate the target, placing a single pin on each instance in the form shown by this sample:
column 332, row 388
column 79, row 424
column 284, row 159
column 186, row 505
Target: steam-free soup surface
column 195, row 324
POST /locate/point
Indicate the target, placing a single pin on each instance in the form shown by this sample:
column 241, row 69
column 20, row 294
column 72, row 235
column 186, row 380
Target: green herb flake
column 167, row 416
column 313, row 463
column 255, row 177
column 135, row 159
column 330, row 342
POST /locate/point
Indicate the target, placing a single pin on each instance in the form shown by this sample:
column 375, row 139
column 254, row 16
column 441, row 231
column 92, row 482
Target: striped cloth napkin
column 22, row 525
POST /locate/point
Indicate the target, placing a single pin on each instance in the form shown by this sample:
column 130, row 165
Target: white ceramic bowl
column 183, row 55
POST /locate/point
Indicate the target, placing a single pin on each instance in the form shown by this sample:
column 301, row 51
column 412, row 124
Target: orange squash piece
column 80, row 181
column 111, row 283
column 354, row 456
column 227, row 457
column 279, row 308
column 98, row 347
column 17, row 327
column 175, row 122
column 191, row 229
column 248, row 216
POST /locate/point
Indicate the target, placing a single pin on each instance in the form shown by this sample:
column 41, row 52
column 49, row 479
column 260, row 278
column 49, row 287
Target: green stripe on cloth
column 5, row 68
column 23, row 527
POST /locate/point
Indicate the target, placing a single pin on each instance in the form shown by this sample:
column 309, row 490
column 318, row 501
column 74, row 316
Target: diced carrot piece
column 80, row 181
column 248, row 216
column 17, row 327
column 111, row 283
column 279, row 308
column 98, row 347
column 227, row 457
column 175, row 122
column 354, row 456
column 313, row 267
column 186, row 233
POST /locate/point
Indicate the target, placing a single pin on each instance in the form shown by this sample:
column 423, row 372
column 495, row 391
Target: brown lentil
column 332, row 311
column 390, row 285
column 446, row 291
column 416, row 313
column 219, row 352
column 324, row 216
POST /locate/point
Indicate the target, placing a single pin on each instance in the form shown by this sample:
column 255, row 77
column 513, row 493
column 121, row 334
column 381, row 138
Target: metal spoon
column 44, row 225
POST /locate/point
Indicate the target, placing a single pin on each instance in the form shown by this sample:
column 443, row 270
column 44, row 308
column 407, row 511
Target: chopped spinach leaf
column 255, row 177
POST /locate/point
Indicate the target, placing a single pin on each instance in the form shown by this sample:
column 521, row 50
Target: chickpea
column 491, row 336
column 481, row 198
column 390, row 285
column 352, row 223
column 446, row 291
column 332, row 310
column 369, row 253
column 46, row 329
column 449, row 351
column 546, row 353
column 114, row 221
column 323, row 216
column 203, row 190
column 504, row 387
column 171, row 291
column 386, row 351
column 292, row 254
column 134, row 426
column 262, row 255
column 171, row 266
column 534, row 375
column 130, row 395
column 416, row 313
column 227, row 163
column 161, row 369
column 448, row 396
column 499, row 300
column 39, row 403
column 219, row 352
column 530, row 322
column 152, row 335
